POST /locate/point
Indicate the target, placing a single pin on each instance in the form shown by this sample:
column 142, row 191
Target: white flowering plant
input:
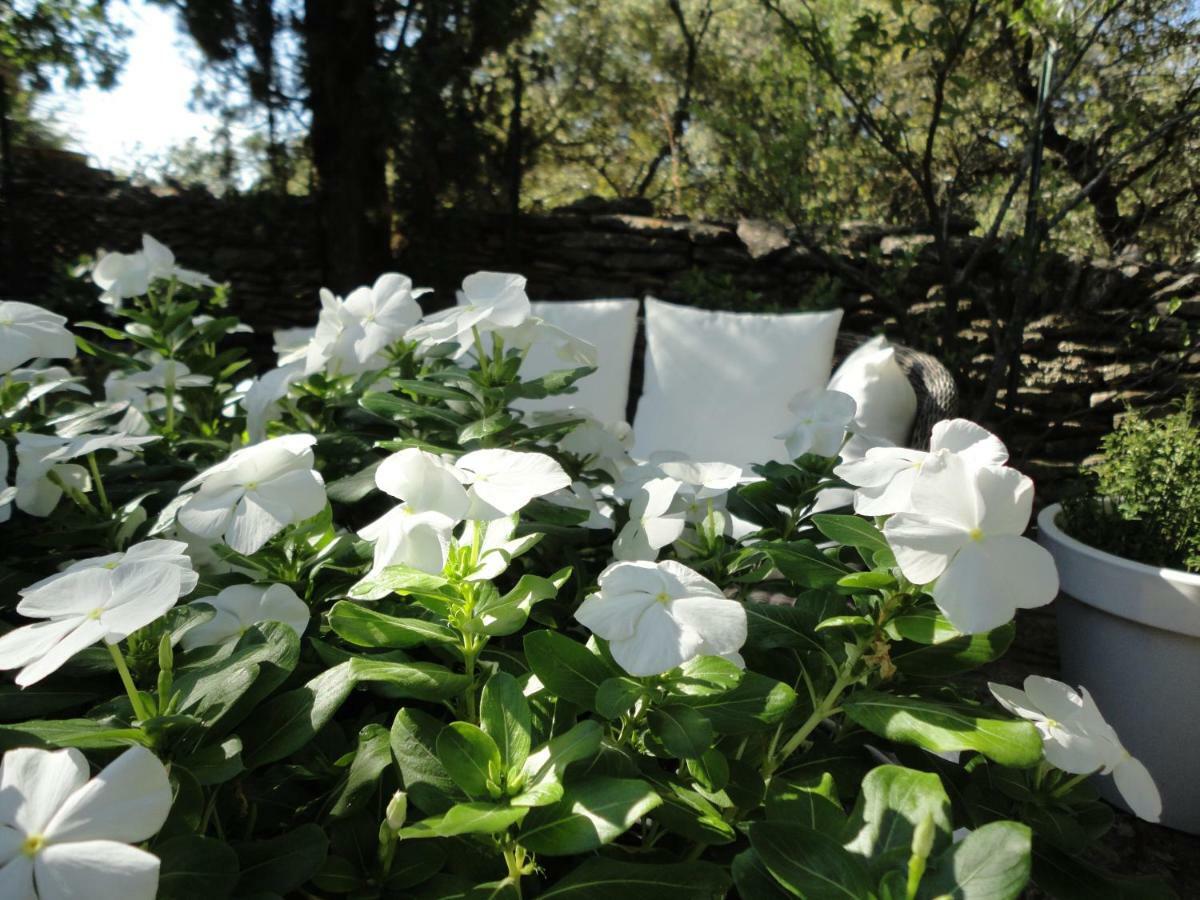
column 359, row 626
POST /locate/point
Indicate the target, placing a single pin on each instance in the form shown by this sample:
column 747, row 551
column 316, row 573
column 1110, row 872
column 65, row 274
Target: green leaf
column 545, row 766
column 869, row 581
column 290, row 720
column 431, row 591
column 604, row 879
column 467, row 818
column 802, row 563
column 566, row 667
column 224, row 691
column 414, row 680
column 504, row 716
column 431, row 389
column 811, row 802
column 990, row 863
column 757, row 703
column 616, row 696
column 808, row 863
column 85, row 734
column 484, row 427
column 507, row 614
column 390, row 407
column 752, row 879
column 365, row 627
column 471, row 757
column 18, row 704
column 706, row 676
column 413, row 739
column 932, row 726
column 683, row 731
column 853, row 531
column 686, row 812
column 590, row 814
column 952, row 656
column 552, row 383
column 281, row 864
column 372, row 756
column 193, row 866
column 893, row 802
column 215, row 763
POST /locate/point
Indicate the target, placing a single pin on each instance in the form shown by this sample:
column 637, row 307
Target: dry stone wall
column 1106, row 333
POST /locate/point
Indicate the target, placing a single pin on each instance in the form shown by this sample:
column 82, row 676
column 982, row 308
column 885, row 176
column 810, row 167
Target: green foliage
column 1143, row 500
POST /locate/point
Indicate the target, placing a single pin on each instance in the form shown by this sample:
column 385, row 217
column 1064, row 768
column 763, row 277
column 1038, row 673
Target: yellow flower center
column 975, row 534
column 662, row 597
column 33, row 844
column 96, row 613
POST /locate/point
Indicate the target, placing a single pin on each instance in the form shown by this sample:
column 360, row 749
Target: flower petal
column 989, row 580
column 978, row 445
column 97, row 870
column 611, row 616
column 657, row 645
column 142, row 592
column 127, row 801
column 1137, row 786
column 720, row 622
column 16, row 879
column 923, row 547
column 44, row 779
column 88, row 632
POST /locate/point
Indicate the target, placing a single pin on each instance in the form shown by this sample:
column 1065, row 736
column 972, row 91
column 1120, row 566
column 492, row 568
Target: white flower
column 425, row 482
column 243, row 605
column 171, row 553
column 30, row 332
column 291, row 344
column 166, row 374
column 656, row 616
column 125, row 275
column 255, row 493
column 43, row 458
column 702, row 482
column 7, row 494
column 497, row 546
column 965, row 531
column 1077, row 739
column 822, row 419
column 579, row 496
column 653, row 524
column 885, row 475
column 352, row 334
column 85, row 605
column 386, row 311
column 405, row 536
column 505, row 481
column 598, row 445
column 43, row 382
column 63, row 837
column 569, row 348
column 493, row 300
column 263, row 397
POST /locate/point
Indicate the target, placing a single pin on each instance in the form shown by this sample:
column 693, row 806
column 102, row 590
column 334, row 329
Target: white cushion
column 611, row 327
column 717, row 384
column 887, row 403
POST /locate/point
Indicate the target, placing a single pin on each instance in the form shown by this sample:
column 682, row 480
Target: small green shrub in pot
column 1142, row 500
column 359, row 627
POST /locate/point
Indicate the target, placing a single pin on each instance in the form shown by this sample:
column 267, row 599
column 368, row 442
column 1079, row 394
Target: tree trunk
column 349, row 139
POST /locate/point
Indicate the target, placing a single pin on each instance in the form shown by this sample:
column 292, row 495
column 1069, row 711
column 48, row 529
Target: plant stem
column 135, row 698
column 823, row 711
column 514, row 858
column 1066, row 786
column 99, row 483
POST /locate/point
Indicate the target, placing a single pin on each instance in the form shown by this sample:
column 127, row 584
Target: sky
column 148, row 111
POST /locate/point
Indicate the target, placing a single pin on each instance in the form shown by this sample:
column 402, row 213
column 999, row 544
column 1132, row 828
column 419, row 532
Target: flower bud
column 923, row 835
column 397, row 810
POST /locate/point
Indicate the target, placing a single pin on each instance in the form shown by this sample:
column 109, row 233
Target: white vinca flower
column 506, row 481
column 492, row 300
column 598, row 445
column 581, row 497
column 425, row 482
column 1077, row 739
column 385, row 312
column 885, row 476
column 171, row 553
column 406, row 537
column 654, row 521
column 964, row 535
column 570, row 349
column 822, row 420
column 263, row 398
column 656, row 616
column 291, row 345
column 88, row 603
column 43, row 382
column 44, row 465
column 30, row 332
column 64, row 837
column 125, row 275
column 241, row 606
column 255, row 493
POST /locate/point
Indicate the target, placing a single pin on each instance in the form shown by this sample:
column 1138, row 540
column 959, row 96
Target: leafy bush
column 413, row 668
column 1143, row 499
